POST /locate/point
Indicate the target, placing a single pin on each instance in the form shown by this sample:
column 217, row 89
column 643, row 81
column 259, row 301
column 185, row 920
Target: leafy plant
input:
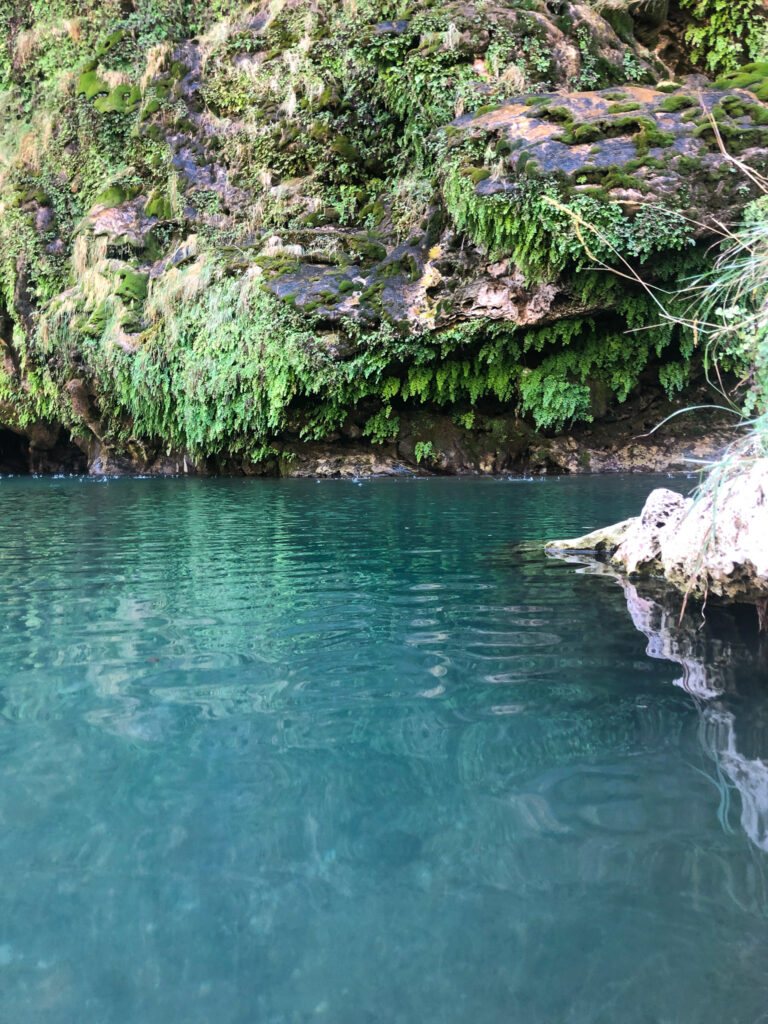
column 424, row 450
column 727, row 34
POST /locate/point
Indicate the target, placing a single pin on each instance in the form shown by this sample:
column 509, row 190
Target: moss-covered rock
column 332, row 236
column 580, row 157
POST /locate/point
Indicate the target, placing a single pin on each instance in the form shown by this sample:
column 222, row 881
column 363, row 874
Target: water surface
column 293, row 751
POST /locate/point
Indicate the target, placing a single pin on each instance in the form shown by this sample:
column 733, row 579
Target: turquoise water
column 293, row 751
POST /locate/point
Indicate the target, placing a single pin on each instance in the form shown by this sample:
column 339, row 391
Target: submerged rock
column 713, row 545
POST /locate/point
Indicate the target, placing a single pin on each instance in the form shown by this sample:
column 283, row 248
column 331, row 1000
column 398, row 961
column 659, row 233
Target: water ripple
column 273, row 751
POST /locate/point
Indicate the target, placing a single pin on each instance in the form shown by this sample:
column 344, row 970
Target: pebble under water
column 288, row 751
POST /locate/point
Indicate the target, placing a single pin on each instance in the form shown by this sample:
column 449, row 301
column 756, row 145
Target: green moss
column 733, row 106
column 372, row 292
column 560, row 115
column 90, row 85
column 677, row 102
column 115, row 195
column 584, row 134
column 373, row 212
column 344, row 148
column 753, row 77
column 132, row 286
column 149, row 109
column 623, row 108
column 367, row 249
column 96, row 324
column 131, row 324
column 644, row 130
column 476, row 174
column 121, row 99
column 622, row 24
column 757, row 114
column 688, row 165
column 110, row 42
column 736, row 136
column 158, row 206
column 609, row 178
column 319, row 131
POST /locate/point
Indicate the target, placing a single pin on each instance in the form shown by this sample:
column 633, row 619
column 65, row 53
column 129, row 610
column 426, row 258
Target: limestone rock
column 642, row 546
column 721, row 545
column 124, row 224
column 600, row 542
column 715, row 545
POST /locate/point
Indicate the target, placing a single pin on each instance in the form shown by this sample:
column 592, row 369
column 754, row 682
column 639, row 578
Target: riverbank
column 630, row 439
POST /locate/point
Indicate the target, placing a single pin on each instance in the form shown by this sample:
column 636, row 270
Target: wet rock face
column 634, row 143
column 125, row 224
column 40, row 448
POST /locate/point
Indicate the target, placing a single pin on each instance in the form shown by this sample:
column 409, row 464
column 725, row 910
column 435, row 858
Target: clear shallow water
column 288, row 751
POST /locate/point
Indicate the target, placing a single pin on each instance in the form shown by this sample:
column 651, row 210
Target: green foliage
column 340, row 128
column 726, row 33
column 545, row 230
column 223, row 367
column 596, row 72
column 424, row 450
column 732, row 309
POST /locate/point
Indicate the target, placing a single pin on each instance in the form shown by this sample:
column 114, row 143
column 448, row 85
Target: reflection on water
column 711, row 665
column 285, row 751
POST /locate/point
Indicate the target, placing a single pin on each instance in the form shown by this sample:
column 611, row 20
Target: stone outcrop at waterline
column 715, row 545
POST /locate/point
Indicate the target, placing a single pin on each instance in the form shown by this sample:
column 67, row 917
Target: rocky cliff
column 305, row 236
